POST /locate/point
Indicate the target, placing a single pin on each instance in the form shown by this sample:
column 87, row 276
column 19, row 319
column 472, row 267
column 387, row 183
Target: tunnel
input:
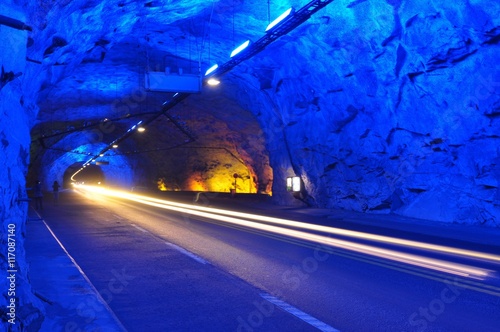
column 386, row 107
column 356, row 114
column 92, row 174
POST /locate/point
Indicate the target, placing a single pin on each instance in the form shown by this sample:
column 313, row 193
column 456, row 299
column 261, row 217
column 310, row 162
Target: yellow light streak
column 233, row 217
column 319, row 228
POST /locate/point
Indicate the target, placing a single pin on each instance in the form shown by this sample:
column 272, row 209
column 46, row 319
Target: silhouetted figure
column 55, row 190
column 38, row 195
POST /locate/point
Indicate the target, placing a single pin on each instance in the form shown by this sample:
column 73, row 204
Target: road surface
column 162, row 270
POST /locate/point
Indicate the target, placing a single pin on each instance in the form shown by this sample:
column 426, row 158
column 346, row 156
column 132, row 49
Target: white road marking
column 187, row 253
column 299, row 313
column 140, row 228
column 91, row 285
column 176, row 247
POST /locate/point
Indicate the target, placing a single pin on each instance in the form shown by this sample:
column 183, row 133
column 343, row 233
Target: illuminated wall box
column 160, row 81
column 294, row 184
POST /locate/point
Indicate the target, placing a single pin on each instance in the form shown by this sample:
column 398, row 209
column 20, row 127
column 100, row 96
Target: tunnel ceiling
column 95, row 55
column 379, row 106
column 99, row 51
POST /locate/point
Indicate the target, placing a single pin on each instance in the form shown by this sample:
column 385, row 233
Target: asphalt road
column 167, row 271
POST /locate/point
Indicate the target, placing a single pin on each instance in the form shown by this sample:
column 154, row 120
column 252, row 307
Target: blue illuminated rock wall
column 379, row 106
column 387, row 107
column 50, row 165
column 17, row 114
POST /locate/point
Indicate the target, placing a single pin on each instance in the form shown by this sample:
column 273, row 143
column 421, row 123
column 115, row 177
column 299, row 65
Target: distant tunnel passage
column 92, row 174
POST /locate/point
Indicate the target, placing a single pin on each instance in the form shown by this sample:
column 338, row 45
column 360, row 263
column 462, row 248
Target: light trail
column 302, row 225
column 234, row 218
column 338, row 231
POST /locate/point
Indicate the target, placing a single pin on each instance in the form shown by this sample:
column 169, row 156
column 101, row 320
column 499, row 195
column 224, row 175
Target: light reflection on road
column 291, row 228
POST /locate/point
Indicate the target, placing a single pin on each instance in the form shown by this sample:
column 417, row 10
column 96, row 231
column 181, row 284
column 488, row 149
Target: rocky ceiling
column 383, row 106
column 99, row 53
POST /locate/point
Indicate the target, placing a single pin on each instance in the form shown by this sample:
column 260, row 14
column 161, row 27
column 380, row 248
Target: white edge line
column 140, row 228
column 98, row 295
column 176, row 247
column 299, row 313
column 187, row 253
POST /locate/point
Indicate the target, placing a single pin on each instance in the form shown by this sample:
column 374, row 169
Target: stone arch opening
column 92, row 174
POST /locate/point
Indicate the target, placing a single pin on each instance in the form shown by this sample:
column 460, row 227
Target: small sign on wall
column 294, row 184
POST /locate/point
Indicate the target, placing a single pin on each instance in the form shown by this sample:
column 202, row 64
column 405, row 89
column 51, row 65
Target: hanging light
column 279, row 19
column 115, row 146
column 141, row 129
column 138, row 126
column 211, row 69
column 240, row 48
column 213, row 81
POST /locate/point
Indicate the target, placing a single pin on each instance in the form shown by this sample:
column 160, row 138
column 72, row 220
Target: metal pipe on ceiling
column 13, row 23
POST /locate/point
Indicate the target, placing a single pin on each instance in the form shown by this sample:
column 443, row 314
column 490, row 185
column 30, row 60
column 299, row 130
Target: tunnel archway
column 347, row 126
column 62, row 158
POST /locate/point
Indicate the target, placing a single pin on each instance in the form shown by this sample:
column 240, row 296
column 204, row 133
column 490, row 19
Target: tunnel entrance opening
column 92, row 174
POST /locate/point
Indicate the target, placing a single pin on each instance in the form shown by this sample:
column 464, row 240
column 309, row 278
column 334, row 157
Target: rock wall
column 387, row 107
column 16, row 115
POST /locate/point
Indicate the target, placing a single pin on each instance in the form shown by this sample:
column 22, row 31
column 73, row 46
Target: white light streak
column 279, row 19
column 240, row 48
column 211, row 69
column 235, row 218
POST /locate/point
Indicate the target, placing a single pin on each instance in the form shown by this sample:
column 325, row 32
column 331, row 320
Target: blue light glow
column 211, row 69
column 279, row 19
column 240, row 48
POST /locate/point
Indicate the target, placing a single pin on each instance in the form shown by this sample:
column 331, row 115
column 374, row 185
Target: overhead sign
column 168, row 82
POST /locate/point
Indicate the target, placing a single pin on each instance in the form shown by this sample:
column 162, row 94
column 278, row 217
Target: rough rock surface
column 379, row 106
column 16, row 117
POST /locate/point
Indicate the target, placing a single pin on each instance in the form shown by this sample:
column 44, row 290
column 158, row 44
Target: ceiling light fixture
column 115, row 146
column 240, row 48
column 213, row 82
column 211, row 69
column 279, row 19
column 141, row 129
